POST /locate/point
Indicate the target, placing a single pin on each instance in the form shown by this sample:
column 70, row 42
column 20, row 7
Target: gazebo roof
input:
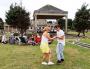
column 50, row 9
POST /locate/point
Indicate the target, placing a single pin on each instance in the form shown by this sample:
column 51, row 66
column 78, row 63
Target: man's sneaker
column 62, row 60
column 59, row 62
column 50, row 63
column 44, row 63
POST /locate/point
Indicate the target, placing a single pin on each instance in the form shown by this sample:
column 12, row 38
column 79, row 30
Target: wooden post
column 66, row 24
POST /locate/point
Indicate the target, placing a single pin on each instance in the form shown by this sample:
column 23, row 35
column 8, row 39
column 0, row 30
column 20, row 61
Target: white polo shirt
column 59, row 34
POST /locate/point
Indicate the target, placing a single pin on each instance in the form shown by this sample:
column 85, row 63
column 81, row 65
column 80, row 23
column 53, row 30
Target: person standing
column 4, row 39
column 45, row 48
column 60, row 45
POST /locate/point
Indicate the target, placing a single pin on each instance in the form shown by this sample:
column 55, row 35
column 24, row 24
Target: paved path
column 80, row 44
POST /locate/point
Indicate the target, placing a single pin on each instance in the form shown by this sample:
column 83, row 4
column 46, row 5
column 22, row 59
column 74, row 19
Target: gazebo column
column 66, row 24
column 12, row 29
column 16, row 29
column 35, row 23
column 8, row 28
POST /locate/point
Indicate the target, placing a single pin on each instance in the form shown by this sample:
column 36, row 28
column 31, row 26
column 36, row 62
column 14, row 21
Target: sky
column 30, row 5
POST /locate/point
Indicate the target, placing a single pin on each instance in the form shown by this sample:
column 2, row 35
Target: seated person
column 22, row 39
column 17, row 40
column 26, row 39
column 4, row 39
column 12, row 39
column 31, row 40
column 37, row 39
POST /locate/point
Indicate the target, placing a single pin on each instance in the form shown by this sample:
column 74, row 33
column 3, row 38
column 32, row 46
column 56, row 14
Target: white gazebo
column 50, row 12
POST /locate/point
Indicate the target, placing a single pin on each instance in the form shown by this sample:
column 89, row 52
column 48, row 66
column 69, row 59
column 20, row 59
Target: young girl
column 45, row 48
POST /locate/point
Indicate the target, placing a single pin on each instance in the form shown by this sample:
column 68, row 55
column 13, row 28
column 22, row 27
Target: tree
column 88, row 25
column 70, row 24
column 17, row 17
column 62, row 23
column 1, row 24
column 81, row 19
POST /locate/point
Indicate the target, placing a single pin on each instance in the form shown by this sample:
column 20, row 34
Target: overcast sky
column 30, row 5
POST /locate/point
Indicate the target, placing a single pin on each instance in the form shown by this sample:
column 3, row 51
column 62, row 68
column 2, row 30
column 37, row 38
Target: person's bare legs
column 49, row 56
column 49, row 59
column 44, row 57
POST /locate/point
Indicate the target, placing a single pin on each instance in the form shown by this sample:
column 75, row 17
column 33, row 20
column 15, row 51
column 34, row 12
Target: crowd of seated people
column 22, row 39
column 34, row 40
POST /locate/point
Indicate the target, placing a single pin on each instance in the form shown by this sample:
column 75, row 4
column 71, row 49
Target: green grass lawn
column 29, row 57
column 88, row 33
column 72, row 32
column 85, row 40
column 75, row 33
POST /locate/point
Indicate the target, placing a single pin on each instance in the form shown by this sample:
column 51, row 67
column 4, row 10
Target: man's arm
column 61, row 37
